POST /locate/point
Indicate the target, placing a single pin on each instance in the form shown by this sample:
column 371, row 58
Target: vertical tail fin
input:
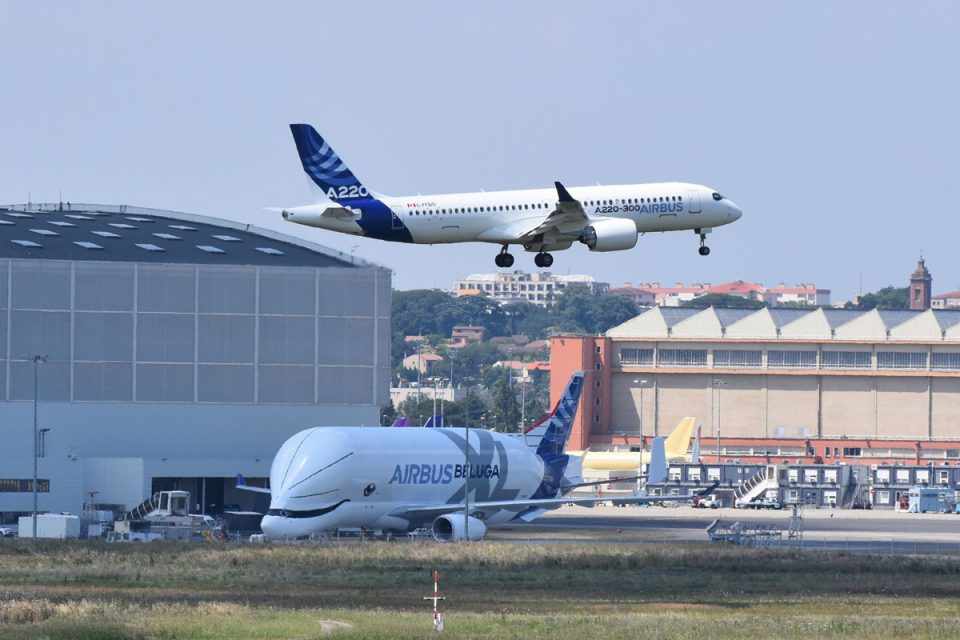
column 657, row 469
column 560, row 423
column 324, row 166
column 695, row 451
column 678, row 442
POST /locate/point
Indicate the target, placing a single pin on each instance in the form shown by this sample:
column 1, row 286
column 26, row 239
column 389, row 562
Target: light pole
column 642, row 383
column 419, row 372
column 523, row 403
column 36, row 434
column 717, row 384
column 466, row 478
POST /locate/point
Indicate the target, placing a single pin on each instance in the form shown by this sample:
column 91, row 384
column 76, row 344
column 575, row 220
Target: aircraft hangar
column 180, row 350
column 776, row 385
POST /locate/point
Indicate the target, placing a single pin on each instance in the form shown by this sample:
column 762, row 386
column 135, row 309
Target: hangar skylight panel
column 121, row 232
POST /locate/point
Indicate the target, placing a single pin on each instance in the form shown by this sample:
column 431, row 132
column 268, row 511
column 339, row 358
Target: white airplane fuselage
column 328, row 478
column 479, row 216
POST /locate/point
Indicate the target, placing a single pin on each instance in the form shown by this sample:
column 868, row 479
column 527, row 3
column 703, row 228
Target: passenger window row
column 491, row 209
column 594, row 203
column 443, row 211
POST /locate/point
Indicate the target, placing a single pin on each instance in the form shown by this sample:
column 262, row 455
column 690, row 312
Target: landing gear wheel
column 543, row 260
column 504, row 259
column 704, row 250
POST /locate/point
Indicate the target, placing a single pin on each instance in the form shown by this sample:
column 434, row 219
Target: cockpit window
column 717, row 196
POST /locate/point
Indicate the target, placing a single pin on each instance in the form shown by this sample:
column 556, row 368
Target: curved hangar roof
column 791, row 324
column 137, row 234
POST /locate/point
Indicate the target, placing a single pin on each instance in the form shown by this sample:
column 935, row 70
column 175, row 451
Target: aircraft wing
column 543, row 503
column 568, row 218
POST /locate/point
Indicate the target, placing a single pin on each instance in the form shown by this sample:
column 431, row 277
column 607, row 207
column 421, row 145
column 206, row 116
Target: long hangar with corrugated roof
column 776, row 384
column 181, row 350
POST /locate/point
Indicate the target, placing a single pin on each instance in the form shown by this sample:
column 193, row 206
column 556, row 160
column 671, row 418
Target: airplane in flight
column 604, row 218
column 382, row 478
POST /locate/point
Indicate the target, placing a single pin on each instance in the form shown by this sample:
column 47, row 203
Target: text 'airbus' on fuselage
column 604, row 218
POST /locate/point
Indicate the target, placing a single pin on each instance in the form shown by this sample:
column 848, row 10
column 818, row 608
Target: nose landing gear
column 704, row 250
column 504, row 259
column 543, row 260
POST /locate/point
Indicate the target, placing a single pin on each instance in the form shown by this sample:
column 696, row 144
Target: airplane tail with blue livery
column 559, row 424
column 324, row 166
column 558, row 474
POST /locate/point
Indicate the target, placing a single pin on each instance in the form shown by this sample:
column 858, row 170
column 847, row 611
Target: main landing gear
column 704, row 250
column 543, row 260
column 504, row 259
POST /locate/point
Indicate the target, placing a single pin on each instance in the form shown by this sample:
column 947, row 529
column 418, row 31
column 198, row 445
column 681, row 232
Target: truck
column 766, row 502
column 709, row 501
column 59, row 526
column 164, row 516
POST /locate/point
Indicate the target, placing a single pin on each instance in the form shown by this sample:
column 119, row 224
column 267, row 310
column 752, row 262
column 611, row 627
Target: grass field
column 160, row 590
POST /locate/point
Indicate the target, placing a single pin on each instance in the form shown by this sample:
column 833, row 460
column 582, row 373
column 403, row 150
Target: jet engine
column 610, row 234
column 452, row 528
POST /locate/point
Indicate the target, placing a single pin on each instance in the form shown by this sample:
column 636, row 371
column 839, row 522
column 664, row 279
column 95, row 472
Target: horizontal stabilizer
column 243, row 486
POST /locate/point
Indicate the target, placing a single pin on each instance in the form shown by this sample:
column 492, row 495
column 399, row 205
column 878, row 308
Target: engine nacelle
column 452, row 527
column 611, row 234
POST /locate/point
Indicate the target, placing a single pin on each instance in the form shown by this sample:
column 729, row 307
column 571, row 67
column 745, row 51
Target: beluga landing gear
column 543, row 259
column 504, row 259
column 704, row 250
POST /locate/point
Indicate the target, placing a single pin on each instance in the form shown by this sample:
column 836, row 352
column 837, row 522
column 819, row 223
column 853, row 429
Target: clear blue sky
column 833, row 125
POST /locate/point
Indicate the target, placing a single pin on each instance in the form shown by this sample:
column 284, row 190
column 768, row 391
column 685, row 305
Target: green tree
column 470, row 410
column 723, row 300
column 406, row 374
column 577, row 309
column 388, row 414
column 470, row 361
column 528, row 319
column 455, row 414
column 505, row 415
column 886, row 298
column 536, row 397
column 431, row 311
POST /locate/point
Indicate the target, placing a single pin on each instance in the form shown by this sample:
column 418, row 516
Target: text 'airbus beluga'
column 604, row 218
column 389, row 479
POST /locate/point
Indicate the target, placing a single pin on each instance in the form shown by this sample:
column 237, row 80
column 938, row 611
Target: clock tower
column 921, row 285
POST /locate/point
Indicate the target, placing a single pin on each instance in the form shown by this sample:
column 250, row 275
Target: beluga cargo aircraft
column 604, row 218
column 381, row 478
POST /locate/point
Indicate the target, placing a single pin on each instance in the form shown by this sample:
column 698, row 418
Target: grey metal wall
column 180, row 370
column 127, row 332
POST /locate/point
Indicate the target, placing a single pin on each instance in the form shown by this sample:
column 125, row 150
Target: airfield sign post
column 436, row 597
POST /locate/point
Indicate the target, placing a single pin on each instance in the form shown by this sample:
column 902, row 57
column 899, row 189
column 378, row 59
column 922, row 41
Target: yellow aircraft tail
column 678, row 443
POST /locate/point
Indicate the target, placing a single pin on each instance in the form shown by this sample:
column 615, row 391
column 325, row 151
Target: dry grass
column 160, row 590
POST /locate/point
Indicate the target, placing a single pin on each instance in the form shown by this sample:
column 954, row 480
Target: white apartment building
column 540, row 288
